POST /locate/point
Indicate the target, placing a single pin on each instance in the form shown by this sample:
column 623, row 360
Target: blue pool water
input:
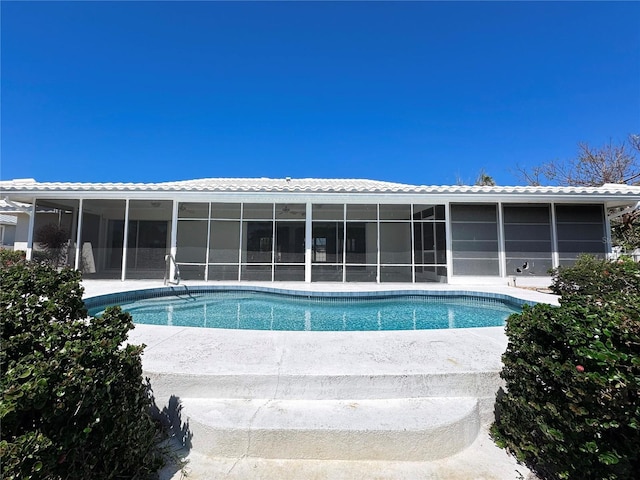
column 264, row 311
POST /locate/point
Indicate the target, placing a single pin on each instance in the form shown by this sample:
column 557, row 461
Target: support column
column 173, row 248
column 308, row 243
column 32, row 222
column 607, row 232
column 273, row 242
column 449, row 242
column 344, row 243
column 502, row 255
column 379, row 247
column 206, row 255
column 79, row 235
column 555, row 257
column 413, row 246
column 240, row 241
column 125, row 240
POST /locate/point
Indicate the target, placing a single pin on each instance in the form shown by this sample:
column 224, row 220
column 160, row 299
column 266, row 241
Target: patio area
column 268, row 404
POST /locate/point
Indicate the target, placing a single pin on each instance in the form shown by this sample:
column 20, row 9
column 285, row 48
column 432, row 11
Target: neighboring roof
column 308, row 185
column 8, row 219
column 11, row 208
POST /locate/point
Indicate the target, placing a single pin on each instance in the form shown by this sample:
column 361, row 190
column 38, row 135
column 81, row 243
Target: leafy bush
column 73, row 403
column 9, row 257
column 54, row 241
column 572, row 373
column 593, row 279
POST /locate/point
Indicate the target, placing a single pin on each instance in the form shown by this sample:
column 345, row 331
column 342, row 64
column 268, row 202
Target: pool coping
column 104, row 290
column 117, row 298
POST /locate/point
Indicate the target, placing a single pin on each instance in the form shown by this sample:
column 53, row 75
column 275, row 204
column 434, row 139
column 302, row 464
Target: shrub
column 73, row 403
column 572, row 374
column 9, row 257
column 54, row 241
column 593, row 279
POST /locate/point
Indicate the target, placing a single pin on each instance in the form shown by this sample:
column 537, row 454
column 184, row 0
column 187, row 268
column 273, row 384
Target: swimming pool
column 296, row 311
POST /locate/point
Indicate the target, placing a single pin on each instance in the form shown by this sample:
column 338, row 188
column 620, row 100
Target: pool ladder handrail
column 168, row 258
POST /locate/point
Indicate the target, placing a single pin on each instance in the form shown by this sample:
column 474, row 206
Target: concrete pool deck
column 235, row 386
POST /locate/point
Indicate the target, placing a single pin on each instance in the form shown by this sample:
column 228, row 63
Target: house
column 7, row 230
column 317, row 230
column 8, row 222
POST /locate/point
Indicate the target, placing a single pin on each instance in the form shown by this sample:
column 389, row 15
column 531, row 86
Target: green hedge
column 594, row 279
column 74, row 404
column 572, row 403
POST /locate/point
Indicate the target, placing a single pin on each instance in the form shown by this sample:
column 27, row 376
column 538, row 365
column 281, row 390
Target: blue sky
column 425, row 93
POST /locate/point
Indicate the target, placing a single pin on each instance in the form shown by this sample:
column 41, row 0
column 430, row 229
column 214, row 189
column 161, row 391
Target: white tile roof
column 305, row 185
column 11, row 208
column 8, row 219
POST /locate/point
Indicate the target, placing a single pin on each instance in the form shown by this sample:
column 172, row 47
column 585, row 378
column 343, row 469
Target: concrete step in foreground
column 338, row 386
column 405, row 429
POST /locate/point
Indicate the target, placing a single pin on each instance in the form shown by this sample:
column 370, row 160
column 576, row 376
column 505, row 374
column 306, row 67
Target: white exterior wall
column 21, row 238
column 7, row 235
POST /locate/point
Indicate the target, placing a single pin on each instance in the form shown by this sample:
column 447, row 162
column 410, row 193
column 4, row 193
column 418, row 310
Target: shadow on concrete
column 176, row 435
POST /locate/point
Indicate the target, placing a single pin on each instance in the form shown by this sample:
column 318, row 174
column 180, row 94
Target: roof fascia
column 328, row 197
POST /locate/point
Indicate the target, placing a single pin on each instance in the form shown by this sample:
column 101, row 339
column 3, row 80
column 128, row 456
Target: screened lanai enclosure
column 98, row 232
column 347, row 242
column 318, row 242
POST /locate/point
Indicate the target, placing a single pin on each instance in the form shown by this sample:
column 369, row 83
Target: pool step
column 339, row 386
column 400, row 429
